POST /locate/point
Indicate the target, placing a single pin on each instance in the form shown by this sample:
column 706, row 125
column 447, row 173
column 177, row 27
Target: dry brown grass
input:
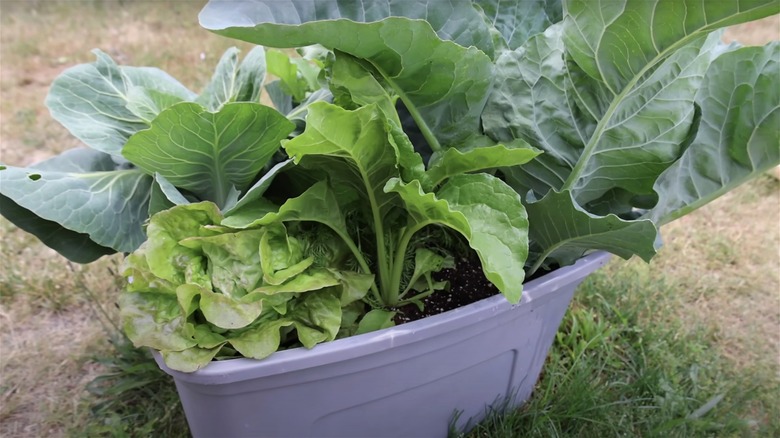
column 724, row 258
column 723, row 262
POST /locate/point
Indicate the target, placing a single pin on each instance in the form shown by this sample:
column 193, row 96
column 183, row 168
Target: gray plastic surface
column 405, row 381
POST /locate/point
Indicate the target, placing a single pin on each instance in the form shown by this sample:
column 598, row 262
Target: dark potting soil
column 467, row 285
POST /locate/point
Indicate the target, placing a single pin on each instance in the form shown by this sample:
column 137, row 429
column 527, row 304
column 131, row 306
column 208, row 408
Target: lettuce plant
column 197, row 288
column 537, row 131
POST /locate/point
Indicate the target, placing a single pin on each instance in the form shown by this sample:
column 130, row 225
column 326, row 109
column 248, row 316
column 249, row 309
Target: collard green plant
column 641, row 114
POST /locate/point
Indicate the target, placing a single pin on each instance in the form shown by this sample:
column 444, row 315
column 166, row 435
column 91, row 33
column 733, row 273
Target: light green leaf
column 91, row 100
column 316, row 317
column 234, row 264
column 227, row 312
column 354, row 285
column 456, row 161
column 405, row 52
column 154, row 320
column 562, row 232
column 738, row 137
column 426, row 262
column 281, row 255
column 261, row 341
column 376, row 319
column 188, row 295
column 191, row 359
column 232, row 82
column 281, row 66
column 425, row 208
column 487, row 212
column 311, row 280
column 108, row 206
column 206, row 338
column 316, row 204
column 209, row 153
column 169, row 260
column 353, row 84
column 498, row 227
column 359, row 143
column 141, row 279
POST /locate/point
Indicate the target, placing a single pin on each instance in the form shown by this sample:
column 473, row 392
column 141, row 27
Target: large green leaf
column 517, row 20
column 643, row 53
column 209, row 154
column 454, row 20
column 618, row 41
column 405, row 53
column 77, row 247
column 738, row 137
column 108, row 205
column 91, row 100
column 611, row 97
column 234, row 82
column 499, row 227
column 638, row 135
column 561, row 232
column 530, row 102
column 353, row 85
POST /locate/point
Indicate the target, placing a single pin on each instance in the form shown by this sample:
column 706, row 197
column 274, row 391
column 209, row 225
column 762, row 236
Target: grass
column 688, row 345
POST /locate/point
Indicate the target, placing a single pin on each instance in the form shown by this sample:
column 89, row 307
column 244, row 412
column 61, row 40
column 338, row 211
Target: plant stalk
column 398, row 262
column 431, row 139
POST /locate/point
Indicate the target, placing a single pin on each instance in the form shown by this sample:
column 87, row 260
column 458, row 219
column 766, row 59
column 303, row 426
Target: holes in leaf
column 34, row 176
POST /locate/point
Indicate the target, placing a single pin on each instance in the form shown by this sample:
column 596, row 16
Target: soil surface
column 467, row 285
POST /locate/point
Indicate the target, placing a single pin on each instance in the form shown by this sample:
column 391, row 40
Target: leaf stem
column 360, row 259
column 398, row 262
column 433, row 142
